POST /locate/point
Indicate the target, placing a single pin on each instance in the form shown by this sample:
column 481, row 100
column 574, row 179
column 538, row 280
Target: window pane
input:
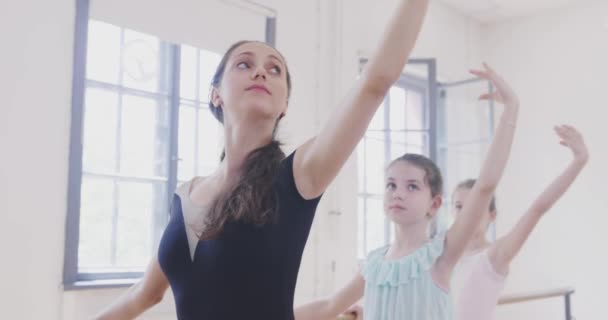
column 417, row 142
column 143, row 152
column 187, row 144
column 100, row 126
column 96, row 211
column 187, row 85
column 361, row 155
column 140, row 62
column 134, row 226
column 397, row 108
column 375, row 224
column 375, row 162
column 398, row 145
column 103, row 52
column 361, row 251
column 464, row 139
column 408, row 142
column 207, row 65
column 210, row 133
column 415, row 111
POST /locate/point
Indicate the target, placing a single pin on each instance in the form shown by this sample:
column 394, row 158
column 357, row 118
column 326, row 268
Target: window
column 145, row 127
column 200, row 134
column 125, row 149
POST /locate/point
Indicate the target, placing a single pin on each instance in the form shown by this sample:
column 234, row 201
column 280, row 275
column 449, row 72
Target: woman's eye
column 275, row 70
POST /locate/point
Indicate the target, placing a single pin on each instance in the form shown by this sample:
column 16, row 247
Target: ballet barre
column 540, row 295
column 519, row 298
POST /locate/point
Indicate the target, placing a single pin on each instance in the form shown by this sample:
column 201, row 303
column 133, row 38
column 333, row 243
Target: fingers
column 487, row 73
column 480, row 74
column 571, row 130
column 495, row 96
column 490, row 74
column 502, row 91
column 489, row 69
column 569, row 136
column 487, row 96
column 566, row 131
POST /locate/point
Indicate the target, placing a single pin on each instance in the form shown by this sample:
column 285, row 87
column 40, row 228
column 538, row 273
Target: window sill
column 100, row 284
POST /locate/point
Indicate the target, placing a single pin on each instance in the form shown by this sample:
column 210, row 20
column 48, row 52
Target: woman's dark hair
column 251, row 198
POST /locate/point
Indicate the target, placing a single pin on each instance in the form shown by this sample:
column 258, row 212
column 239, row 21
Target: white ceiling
column 495, row 10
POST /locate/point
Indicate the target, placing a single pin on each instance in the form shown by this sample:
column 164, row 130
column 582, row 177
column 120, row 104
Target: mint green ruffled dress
column 404, row 289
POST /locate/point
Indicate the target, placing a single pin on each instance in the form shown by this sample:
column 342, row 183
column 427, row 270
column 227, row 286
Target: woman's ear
column 216, row 100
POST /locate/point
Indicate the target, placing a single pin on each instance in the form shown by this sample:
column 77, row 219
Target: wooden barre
column 515, row 298
column 509, row 299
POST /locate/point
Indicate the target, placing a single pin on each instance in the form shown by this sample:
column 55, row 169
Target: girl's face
column 254, row 84
column 459, row 198
column 407, row 196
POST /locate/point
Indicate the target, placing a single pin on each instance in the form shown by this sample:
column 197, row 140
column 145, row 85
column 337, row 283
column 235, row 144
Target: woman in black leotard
column 235, row 239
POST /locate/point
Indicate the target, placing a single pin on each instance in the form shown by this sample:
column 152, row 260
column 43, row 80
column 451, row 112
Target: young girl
column 480, row 275
column 409, row 279
column 233, row 246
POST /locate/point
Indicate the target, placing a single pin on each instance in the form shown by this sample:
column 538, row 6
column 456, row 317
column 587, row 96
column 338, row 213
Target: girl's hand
column 571, row 138
column 503, row 93
column 355, row 312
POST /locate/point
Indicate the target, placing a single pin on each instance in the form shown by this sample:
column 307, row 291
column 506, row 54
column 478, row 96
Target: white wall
column 557, row 63
column 34, row 129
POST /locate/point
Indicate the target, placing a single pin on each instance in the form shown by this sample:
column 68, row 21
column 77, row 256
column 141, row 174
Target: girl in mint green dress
column 409, row 278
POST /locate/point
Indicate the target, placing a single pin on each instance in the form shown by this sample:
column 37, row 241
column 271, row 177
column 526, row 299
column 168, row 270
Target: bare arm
column 492, row 169
column 504, row 250
column 140, row 297
column 318, row 161
column 330, row 308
